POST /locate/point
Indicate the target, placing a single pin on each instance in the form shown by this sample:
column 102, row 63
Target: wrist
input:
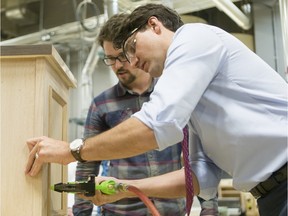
column 70, row 158
column 75, row 149
column 128, row 193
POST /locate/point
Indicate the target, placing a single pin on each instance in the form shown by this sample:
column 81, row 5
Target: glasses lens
column 112, row 60
column 130, row 47
column 109, row 61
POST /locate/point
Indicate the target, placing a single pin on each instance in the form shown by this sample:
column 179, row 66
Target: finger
column 31, row 159
column 93, row 199
column 99, row 179
column 82, row 196
column 98, row 199
column 34, row 164
column 36, row 167
column 32, row 142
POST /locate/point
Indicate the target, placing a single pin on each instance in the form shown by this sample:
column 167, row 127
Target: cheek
column 114, row 68
column 144, row 49
column 155, row 69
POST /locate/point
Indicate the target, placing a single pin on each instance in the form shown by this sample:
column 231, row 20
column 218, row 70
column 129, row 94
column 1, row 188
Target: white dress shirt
column 235, row 104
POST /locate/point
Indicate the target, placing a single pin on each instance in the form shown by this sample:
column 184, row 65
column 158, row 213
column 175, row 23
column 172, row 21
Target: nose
column 134, row 62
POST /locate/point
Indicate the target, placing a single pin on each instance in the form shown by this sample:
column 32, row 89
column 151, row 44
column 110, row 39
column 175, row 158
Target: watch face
column 76, row 144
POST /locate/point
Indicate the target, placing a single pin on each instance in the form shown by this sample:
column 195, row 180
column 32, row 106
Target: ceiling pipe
column 234, row 13
column 111, row 7
column 283, row 6
column 56, row 34
column 86, row 81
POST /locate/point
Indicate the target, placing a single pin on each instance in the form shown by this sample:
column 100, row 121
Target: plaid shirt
column 106, row 111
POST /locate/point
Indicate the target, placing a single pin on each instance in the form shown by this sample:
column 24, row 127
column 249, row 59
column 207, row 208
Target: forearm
column 130, row 138
column 169, row 185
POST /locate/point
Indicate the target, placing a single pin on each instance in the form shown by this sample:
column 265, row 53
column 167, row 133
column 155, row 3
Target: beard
column 126, row 78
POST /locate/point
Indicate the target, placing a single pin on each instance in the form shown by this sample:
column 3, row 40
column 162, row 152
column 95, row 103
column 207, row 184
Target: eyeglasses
column 112, row 60
column 129, row 44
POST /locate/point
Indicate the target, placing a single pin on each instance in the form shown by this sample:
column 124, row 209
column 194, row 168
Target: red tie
column 188, row 171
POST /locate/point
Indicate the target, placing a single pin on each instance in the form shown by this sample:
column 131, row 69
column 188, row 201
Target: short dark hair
column 167, row 16
column 109, row 30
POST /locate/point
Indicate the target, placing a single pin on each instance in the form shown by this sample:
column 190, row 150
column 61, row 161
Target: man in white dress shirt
column 234, row 103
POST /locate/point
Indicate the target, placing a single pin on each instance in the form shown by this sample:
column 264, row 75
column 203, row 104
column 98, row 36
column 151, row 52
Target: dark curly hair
column 110, row 30
column 167, row 16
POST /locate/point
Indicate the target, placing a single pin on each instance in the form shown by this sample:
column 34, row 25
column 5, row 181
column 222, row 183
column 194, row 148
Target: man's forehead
column 110, row 50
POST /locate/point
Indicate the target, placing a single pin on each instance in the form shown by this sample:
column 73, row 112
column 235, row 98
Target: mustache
column 121, row 70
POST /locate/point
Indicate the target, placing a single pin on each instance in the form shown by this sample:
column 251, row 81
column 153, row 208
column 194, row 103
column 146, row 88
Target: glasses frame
column 130, row 35
column 115, row 58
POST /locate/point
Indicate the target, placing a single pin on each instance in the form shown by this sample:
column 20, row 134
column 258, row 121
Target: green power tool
column 88, row 188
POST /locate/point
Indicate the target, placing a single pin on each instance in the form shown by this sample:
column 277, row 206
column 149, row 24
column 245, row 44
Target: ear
column 155, row 24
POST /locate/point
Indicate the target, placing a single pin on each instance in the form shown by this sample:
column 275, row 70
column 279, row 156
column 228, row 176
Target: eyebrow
column 111, row 56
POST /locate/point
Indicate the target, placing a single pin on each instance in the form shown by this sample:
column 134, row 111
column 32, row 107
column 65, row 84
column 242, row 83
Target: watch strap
column 76, row 154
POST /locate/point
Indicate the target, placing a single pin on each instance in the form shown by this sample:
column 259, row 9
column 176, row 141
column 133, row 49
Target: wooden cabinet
column 35, row 85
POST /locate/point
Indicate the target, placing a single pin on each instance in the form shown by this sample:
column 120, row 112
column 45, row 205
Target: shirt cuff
column 166, row 133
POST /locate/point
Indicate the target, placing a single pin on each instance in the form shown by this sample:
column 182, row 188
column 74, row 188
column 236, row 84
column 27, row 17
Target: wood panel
column 34, row 102
column 57, row 129
column 17, row 122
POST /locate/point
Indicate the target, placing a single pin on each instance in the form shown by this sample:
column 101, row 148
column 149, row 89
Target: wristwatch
column 75, row 147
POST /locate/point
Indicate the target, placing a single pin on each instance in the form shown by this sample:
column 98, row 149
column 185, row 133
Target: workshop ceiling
column 21, row 17
column 38, row 21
